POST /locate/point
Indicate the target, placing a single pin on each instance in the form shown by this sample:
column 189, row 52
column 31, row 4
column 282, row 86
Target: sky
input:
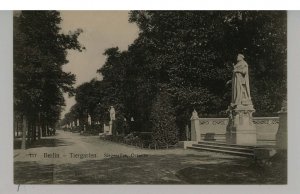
column 101, row 30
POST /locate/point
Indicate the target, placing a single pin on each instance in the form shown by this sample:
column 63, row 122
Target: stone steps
column 224, row 144
column 222, row 147
column 233, row 149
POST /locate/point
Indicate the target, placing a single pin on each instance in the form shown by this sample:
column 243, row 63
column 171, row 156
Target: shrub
column 163, row 119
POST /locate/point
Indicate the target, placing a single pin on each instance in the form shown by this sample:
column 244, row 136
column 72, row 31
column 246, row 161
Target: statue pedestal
column 110, row 127
column 106, row 130
column 281, row 136
column 240, row 129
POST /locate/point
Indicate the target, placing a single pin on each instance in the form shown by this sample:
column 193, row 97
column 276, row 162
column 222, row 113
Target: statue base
column 112, row 127
column 240, row 129
column 281, row 136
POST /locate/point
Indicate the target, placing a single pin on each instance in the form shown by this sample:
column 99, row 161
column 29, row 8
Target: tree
column 40, row 51
column 182, row 61
column 193, row 52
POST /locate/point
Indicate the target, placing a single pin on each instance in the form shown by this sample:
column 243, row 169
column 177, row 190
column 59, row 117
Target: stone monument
column 240, row 129
column 89, row 120
column 195, row 127
column 112, row 115
column 187, row 133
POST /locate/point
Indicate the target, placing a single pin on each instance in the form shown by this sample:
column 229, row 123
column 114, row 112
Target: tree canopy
column 40, row 51
column 182, row 61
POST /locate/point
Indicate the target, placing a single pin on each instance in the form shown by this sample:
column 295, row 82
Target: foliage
column 194, row 52
column 163, row 119
column 182, row 61
column 40, row 51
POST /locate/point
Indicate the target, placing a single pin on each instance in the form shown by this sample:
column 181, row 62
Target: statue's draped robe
column 240, row 84
column 112, row 114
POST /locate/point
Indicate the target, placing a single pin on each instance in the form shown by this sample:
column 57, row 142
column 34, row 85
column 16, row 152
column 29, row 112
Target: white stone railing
column 266, row 127
column 213, row 125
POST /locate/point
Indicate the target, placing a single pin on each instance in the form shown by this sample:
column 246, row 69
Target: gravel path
column 69, row 158
column 69, row 147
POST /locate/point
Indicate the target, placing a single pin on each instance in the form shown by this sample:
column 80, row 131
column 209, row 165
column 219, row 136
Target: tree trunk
column 39, row 128
column 33, row 131
column 17, row 127
column 47, row 130
column 29, row 134
column 24, row 127
column 44, row 130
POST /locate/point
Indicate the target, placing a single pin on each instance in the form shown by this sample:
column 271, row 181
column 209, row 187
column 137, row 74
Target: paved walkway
column 69, row 158
column 73, row 148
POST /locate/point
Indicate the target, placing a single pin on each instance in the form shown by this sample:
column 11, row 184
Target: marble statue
column 240, row 128
column 112, row 113
column 240, row 83
column 89, row 120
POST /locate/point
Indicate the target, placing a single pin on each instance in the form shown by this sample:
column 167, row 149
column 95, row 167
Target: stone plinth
column 185, row 144
column 241, row 129
column 110, row 127
column 281, row 136
column 264, row 153
column 195, row 127
column 106, row 129
column 187, row 133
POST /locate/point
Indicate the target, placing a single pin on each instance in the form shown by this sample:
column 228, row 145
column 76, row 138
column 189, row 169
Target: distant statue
column 112, row 113
column 89, row 120
column 240, row 83
column 195, row 115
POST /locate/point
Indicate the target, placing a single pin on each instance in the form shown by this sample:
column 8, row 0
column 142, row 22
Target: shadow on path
column 151, row 169
column 46, row 142
column 244, row 173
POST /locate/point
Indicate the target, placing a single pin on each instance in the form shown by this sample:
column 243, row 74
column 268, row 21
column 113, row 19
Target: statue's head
column 240, row 57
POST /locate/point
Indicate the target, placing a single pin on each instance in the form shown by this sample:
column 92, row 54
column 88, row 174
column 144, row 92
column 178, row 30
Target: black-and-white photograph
column 150, row 97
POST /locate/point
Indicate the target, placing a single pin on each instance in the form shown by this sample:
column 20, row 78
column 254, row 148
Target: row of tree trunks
column 31, row 130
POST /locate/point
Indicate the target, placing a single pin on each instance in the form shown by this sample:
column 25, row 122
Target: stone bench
column 209, row 137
